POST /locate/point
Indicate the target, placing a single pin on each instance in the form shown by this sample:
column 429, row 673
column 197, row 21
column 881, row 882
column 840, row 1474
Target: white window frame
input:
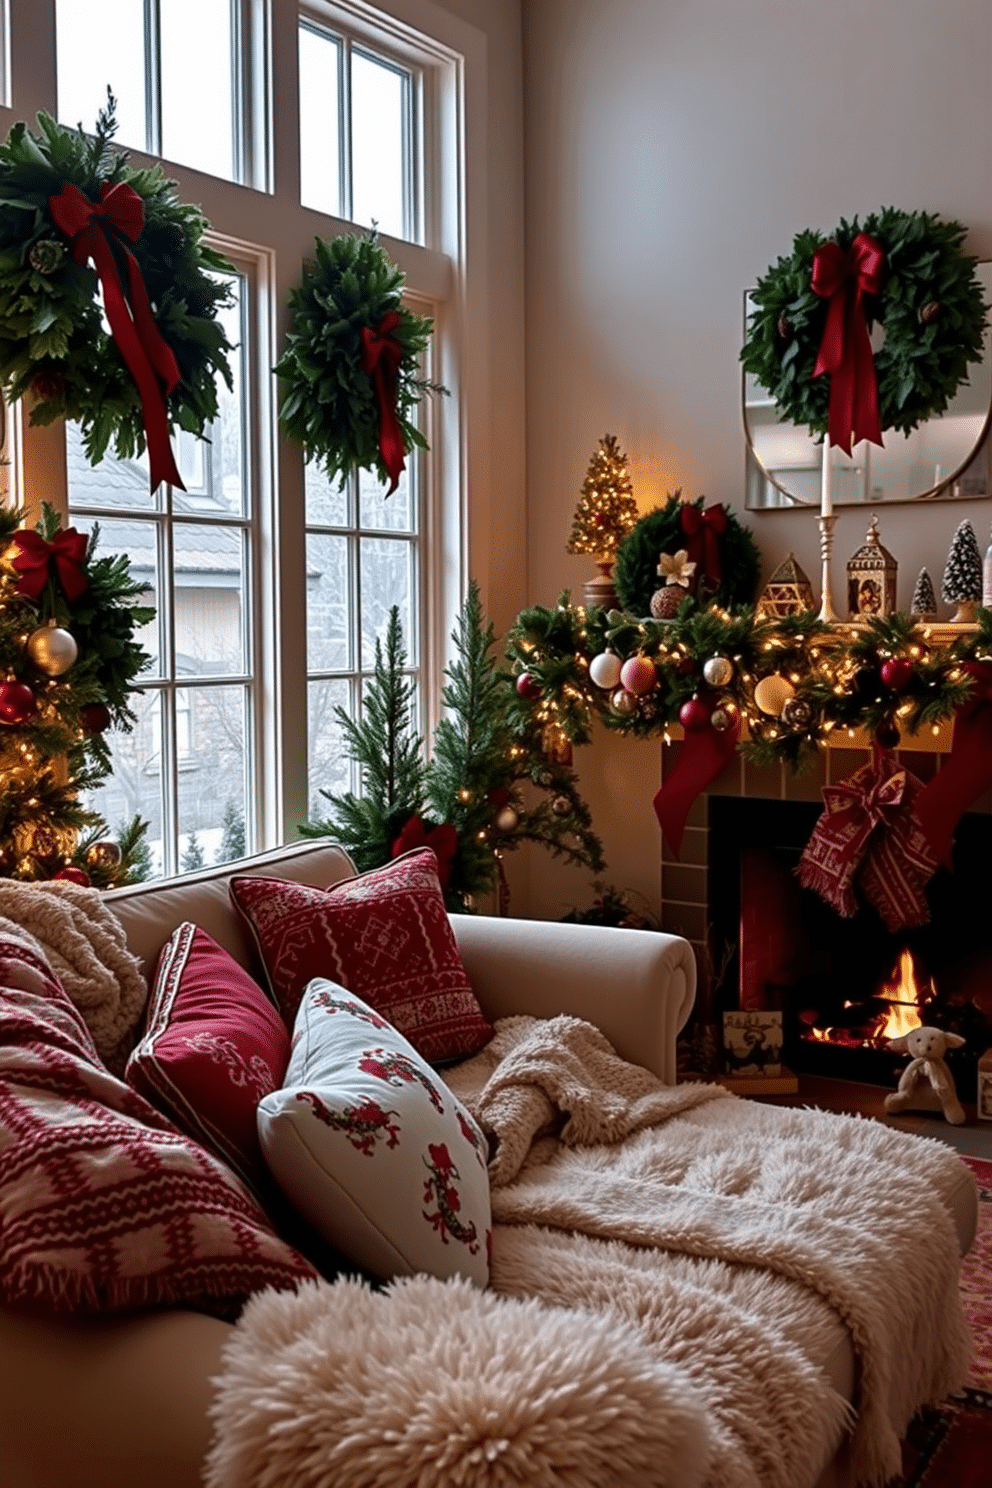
column 266, row 224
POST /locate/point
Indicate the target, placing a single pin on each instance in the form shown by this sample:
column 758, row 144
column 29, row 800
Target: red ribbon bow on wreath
column 65, row 554
column 869, row 828
column 845, row 347
column 95, row 230
column 381, row 357
column 442, row 841
column 703, row 531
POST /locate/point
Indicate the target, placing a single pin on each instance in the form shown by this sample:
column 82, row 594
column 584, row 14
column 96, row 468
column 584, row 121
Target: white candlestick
column 826, row 481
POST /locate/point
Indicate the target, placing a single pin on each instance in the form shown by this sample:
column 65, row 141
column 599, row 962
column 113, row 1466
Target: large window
column 271, row 587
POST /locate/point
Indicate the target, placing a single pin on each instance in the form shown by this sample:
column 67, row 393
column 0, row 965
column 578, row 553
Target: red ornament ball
column 695, row 715
column 887, row 736
column 897, row 673
column 17, row 702
column 528, row 686
column 638, row 675
column 71, row 874
column 95, row 718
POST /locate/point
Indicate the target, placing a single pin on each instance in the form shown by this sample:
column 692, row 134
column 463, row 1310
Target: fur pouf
column 432, row 1382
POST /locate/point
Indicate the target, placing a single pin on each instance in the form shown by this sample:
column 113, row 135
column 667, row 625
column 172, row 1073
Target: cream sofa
column 123, row 1403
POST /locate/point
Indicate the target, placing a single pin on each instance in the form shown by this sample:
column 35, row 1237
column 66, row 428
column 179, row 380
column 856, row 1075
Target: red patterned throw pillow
column 212, row 1046
column 104, row 1205
column 384, row 935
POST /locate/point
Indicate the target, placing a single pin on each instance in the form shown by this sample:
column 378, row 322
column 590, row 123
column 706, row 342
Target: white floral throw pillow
column 372, row 1148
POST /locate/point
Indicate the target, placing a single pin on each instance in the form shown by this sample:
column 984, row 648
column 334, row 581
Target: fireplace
column 845, row 986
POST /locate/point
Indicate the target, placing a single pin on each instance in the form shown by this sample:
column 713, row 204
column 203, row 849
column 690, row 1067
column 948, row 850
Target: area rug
column 950, row 1445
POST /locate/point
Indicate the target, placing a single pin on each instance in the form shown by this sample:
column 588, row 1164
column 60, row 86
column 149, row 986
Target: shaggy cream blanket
column 733, row 1235
column 84, row 944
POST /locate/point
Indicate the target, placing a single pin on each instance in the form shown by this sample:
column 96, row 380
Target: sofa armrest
column 637, row 986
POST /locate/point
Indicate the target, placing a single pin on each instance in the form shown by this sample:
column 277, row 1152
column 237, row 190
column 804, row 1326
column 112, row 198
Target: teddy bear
column 927, row 1046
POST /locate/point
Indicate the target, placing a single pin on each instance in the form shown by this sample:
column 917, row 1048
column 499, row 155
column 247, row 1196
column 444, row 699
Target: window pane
column 330, row 768
column 210, row 752
column 378, row 144
column 327, row 502
column 114, row 482
column 329, row 604
column 197, row 67
column 215, row 468
column 135, row 786
column 389, row 513
column 209, row 577
column 320, row 145
column 387, row 580
column 98, row 43
column 137, row 541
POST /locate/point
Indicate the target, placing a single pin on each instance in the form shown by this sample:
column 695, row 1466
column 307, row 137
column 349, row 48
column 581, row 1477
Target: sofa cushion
column 104, row 1204
column 212, row 1046
column 370, row 1146
column 384, row 935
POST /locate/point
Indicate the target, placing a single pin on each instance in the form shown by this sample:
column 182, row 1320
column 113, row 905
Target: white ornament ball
column 718, row 671
column 506, row 819
column 623, row 703
column 638, row 674
column 604, row 670
column 772, row 693
column 52, row 649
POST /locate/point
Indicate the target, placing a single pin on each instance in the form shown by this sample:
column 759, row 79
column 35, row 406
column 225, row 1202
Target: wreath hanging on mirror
column 69, row 200
column 352, row 361
column 808, row 339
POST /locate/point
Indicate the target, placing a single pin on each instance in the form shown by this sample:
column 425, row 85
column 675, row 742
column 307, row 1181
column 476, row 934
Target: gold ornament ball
column 772, row 693
column 104, row 855
column 52, row 649
column 506, row 819
column 561, row 806
column 623, row 703
column 718, row 671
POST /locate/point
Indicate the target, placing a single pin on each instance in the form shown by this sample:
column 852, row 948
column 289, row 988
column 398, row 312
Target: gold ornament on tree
column 103, row 854
column 52, row 649
column 605, row 514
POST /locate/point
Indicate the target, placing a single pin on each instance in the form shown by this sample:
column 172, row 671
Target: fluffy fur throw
column 433, row 1384
column 84, row 944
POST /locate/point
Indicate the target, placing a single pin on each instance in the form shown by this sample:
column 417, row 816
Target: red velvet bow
column 845, row 347
column 703, row 531
column 381, row 356
column 65, row 554
column 442, row 841
column 95, row 230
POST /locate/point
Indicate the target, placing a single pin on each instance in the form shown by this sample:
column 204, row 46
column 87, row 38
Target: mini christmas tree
column 607, row 510
column 963, row 574
column 924, row 601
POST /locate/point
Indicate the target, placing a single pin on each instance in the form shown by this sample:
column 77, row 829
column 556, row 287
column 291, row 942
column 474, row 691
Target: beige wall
column 672, row 150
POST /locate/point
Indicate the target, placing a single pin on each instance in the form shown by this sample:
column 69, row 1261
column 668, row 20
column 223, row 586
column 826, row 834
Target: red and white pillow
column 384, row 935
column 104, row 1205
column 213, row 1045
column 373, row 1149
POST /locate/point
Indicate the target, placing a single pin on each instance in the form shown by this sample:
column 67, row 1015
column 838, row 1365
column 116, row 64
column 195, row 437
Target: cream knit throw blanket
column 84, row 944
column 771, row 1225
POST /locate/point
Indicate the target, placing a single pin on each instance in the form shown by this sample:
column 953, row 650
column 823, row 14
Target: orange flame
column 907, row 995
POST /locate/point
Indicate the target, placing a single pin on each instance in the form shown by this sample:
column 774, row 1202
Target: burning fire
column 906, row 994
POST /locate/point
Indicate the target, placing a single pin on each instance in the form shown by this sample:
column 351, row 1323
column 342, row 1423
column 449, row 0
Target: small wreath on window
column 352, row 359
column 921, row 287
column 67, row 198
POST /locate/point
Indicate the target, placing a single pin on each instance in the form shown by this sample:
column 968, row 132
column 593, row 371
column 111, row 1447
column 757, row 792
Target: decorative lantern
column 788, row 592
column 871, row 578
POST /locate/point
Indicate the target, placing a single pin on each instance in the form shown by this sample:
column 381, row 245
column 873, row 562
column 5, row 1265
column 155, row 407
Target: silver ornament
column 718, row 671
column 104, row 854
column 52, row 649
column 721, row 720
column 797, row 713
column 623, row 703
column 506, row 819
column 561, row 806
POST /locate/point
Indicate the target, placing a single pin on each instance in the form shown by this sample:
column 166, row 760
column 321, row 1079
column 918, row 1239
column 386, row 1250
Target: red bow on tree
column 381, row 356
column 703, row 531
column 869, row 827
column 442, row 841
column 61, row 558
column 845, row 347
column 96, row 230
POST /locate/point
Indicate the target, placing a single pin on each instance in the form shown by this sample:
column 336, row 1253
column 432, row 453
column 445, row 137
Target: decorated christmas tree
column 68, row 658
column 963, row 574
column 924, row 601
column 607, row 510
column 491, row 784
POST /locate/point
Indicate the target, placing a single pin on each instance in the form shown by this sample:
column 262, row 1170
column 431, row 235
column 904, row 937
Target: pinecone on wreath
column 962, row 583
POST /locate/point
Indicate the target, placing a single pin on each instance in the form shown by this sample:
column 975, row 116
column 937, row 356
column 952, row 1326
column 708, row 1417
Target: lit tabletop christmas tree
column 605, row 514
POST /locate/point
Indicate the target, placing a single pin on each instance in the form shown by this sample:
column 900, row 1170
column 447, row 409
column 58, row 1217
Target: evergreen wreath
column 930, row 303
column 330, row 402
column 53, row 341
column 635, row 574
